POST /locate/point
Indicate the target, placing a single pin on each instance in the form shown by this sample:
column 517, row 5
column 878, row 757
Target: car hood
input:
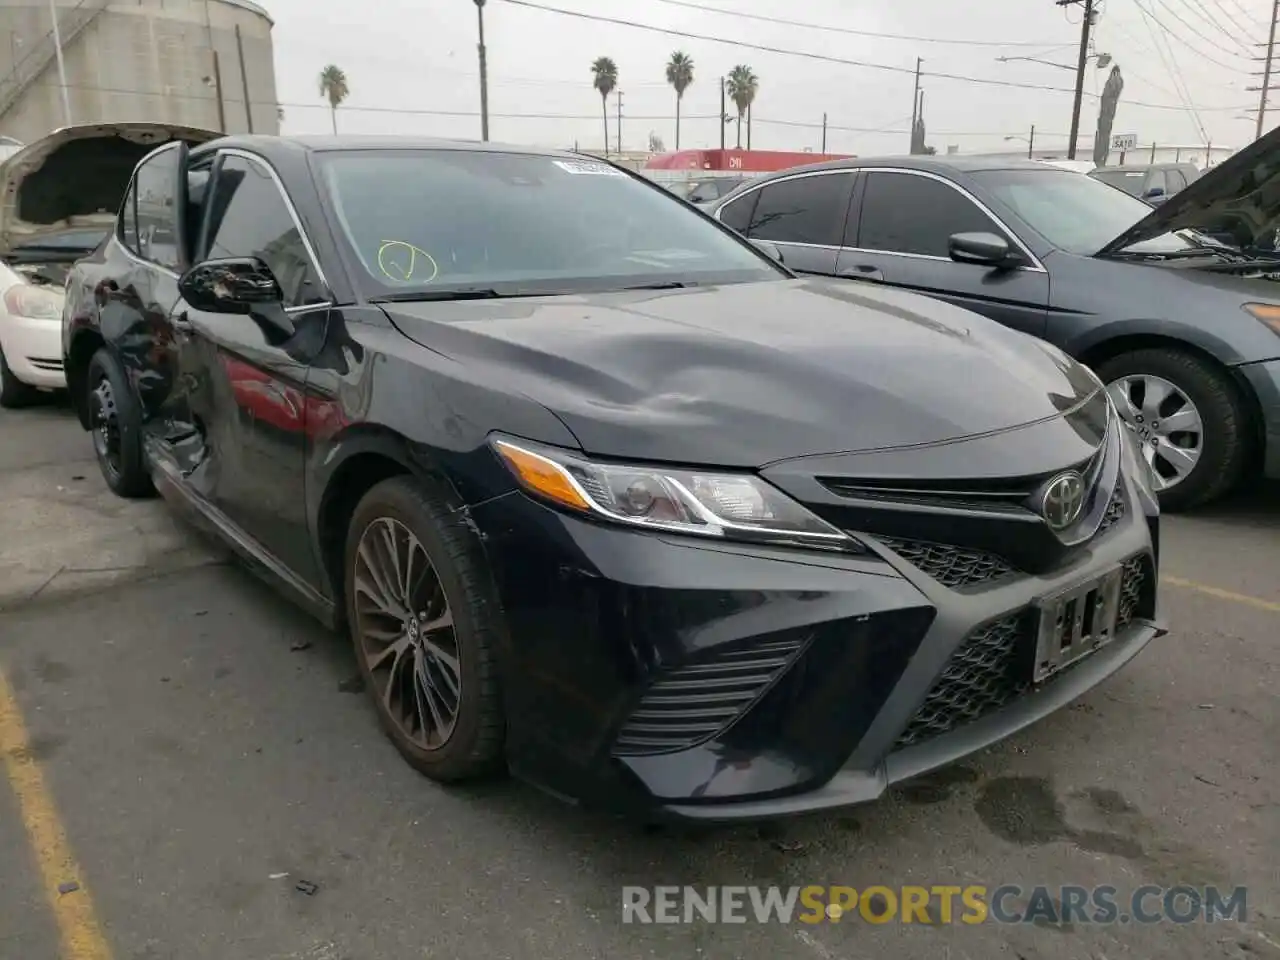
column 72, row 181
column 1239, row 197
column 748, row 374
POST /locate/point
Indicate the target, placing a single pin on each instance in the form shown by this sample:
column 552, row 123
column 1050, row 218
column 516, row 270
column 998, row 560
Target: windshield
column 433, row 220
column 1130, row 181
column 1072, row 211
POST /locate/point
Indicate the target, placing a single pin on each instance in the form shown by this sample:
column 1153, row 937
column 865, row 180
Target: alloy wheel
column 405, row 633
column 106, row 426
column 1165, row 421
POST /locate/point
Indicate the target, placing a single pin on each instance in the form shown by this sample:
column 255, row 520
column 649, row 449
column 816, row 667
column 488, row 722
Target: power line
column 1213, row 43
column 1171, row 67
column 828, row 28
column 1245, row 13
column 823, row 58
column 1202, row 7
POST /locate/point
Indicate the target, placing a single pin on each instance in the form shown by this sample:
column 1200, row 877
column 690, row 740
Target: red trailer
column 703, row 162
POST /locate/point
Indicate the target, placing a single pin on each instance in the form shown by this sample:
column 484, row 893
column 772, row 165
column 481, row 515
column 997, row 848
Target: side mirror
column 769, row 250
column 239, row 285
column 985, row 249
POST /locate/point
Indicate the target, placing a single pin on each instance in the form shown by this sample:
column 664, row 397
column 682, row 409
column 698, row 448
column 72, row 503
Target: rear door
column 898, row 235
column 248, row 396
column 803, row 215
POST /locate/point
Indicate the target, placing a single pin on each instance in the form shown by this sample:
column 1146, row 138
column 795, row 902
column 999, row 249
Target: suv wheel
column 1188, row 417
column 116, row 427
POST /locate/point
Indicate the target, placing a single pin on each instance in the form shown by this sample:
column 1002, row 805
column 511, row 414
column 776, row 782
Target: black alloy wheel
column 425, row 621
column 406, row 633
column 105, row 426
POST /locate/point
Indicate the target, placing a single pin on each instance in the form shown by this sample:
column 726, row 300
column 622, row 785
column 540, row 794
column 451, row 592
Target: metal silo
column 159, row 60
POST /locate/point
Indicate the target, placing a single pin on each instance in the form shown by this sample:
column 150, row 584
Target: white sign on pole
column 1124, row 141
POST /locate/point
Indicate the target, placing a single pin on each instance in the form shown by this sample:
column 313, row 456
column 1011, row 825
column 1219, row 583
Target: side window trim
column 1033, row 265
column 262, row 162
column 756, row 191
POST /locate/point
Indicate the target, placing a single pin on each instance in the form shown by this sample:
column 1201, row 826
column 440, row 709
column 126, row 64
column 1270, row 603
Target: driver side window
column 248, row 217
column 154, row 189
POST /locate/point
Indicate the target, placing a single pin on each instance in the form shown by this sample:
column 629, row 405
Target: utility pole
column 1266, row 71
column 824, row 133
column 62, row 65
column 1086, row 25
column 484, row 75
column 244, row 80
column 1031, row 143
column 724, row 120
column 618, row 143
column 915, row 103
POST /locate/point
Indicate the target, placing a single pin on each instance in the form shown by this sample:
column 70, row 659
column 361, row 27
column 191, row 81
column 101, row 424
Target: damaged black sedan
column 601, row 492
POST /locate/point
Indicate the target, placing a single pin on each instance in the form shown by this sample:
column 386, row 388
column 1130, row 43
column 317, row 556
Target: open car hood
column 1239, row 198
column 72, row 182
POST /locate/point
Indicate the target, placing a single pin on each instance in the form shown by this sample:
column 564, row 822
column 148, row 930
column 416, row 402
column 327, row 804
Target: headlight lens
column 734, row 506
column 1268, row 313
column 32, row 302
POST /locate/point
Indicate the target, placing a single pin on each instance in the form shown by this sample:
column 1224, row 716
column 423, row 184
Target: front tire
column 14, row 394
column 116, row 427
column 424, row 621
column 1189, row 418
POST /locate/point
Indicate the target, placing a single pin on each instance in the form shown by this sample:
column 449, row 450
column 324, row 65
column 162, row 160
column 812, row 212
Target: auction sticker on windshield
column 586, row 167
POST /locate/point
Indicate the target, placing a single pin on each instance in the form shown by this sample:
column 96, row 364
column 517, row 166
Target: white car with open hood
column 58, row 198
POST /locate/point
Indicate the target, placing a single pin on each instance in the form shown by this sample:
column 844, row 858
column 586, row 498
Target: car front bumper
column 1264, row 377
column 836, row 673
column 33, row 349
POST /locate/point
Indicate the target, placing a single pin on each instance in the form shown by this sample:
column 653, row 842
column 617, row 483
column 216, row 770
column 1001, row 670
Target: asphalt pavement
column 194, row 773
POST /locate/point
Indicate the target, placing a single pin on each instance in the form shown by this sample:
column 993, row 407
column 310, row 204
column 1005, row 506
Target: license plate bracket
column 1075, row 623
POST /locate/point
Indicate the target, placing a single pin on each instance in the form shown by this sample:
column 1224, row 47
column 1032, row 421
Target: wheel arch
column 84, row 344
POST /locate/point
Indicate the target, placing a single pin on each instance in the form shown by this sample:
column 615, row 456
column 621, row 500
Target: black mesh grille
column 949, row 565
column 694, row 702
column 992, row 666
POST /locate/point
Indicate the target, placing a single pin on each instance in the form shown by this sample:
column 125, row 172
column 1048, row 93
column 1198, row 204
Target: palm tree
column 605, row 73
column 680, row 76
column 742, row 87
column 335, row 88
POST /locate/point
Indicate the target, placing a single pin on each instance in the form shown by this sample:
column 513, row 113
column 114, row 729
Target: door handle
column 862, row 271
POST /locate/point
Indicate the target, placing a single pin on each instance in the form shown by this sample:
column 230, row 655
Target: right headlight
column 702, row 503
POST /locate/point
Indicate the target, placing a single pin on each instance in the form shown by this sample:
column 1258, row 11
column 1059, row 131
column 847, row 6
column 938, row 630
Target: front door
column 248, row 398
column 898, row 235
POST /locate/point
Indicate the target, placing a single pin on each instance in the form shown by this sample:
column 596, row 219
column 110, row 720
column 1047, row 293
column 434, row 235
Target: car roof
column 276, row 145
column 953, row 163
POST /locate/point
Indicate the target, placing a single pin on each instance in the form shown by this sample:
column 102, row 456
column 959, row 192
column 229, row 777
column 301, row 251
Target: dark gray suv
column 1183, row 327
column 1154, row 183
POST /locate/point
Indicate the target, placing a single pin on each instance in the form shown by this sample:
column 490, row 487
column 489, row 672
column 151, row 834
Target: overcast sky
column 411, row 64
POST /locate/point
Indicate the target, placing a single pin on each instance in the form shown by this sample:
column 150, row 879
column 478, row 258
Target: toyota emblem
column 1063, row 500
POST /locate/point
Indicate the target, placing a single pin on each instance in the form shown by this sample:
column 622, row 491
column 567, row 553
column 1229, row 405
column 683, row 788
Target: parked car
column 30, row 330
column 598, row 489
column 1184, row 330
column 1154, row 183
column 706, row 190
column 1077, row 166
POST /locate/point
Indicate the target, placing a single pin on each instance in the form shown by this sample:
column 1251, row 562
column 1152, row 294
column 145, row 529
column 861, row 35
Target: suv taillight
column 36, row 303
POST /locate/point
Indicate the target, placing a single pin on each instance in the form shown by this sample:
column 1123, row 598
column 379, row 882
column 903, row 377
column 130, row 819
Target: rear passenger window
column 803, row 210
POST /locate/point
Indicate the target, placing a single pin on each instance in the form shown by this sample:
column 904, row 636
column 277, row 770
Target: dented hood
column 1239, row 198
column 748, row 374
column 73, row 180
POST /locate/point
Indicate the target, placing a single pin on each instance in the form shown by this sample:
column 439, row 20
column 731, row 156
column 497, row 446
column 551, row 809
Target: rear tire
column 425, row 621
column 14, row 394
column 116, row 427
column 1223, row 433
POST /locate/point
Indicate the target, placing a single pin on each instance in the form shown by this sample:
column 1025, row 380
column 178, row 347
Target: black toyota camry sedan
column 601, row 493
column 1177, row 308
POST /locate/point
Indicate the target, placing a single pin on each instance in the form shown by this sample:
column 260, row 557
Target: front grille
column 693, row 703
column 950, row 565
column 992, row 667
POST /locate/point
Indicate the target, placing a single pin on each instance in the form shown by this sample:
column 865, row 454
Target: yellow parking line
column 1242, row 598
column 78, row 927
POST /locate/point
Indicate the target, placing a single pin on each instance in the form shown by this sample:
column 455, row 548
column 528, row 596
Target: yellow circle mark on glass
column 401, row 261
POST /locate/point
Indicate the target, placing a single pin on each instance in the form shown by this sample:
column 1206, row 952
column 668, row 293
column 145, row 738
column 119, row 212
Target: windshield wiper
column 1189, row 253
column 458, row 293
column 662, row 285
